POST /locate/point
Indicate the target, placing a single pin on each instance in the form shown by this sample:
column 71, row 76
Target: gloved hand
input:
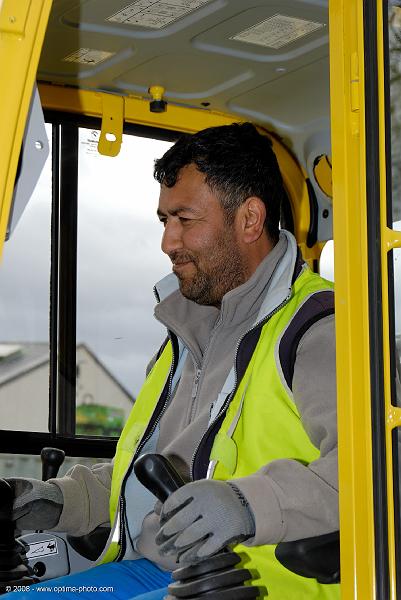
column 37, row 504
column 201, row 518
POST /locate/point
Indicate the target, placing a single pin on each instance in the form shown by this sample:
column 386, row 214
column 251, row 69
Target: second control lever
column 52, row 459
column 215, row 578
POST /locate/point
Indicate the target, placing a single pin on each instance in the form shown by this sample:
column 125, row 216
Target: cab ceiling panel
column 275, row 96
column 175, row 72
column 262, row 59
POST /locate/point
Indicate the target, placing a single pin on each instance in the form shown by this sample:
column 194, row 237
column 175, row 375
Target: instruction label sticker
column 88, row 56
column 43, row 548
column 155, row 13
column 277, row 31
column 88, row 142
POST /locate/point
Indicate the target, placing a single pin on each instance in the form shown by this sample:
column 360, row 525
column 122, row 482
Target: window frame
column 63, row 290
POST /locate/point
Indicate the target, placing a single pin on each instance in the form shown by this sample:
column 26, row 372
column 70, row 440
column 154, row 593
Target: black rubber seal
column 375, row 300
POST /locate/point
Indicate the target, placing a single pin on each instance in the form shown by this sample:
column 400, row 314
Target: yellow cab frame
column 367, row 416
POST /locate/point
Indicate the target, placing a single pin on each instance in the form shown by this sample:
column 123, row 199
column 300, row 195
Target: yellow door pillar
column 352, row 300
column 22, row 29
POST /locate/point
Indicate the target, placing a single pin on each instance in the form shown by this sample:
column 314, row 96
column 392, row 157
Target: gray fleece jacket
column 289, row 500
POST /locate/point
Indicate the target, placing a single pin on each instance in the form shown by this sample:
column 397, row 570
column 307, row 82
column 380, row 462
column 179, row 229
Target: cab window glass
column 394, row 91
column 394, row 258
column 30, row 465
column 118, row 262
column 394, row 40
column 24, row 314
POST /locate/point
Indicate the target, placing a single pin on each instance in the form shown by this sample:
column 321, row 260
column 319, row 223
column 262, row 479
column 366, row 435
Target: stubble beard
column 225, row 271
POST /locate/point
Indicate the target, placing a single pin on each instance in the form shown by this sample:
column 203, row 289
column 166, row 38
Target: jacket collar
column 281, row 282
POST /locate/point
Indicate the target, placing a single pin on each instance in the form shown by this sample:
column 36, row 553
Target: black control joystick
column 52, row 459
column 14, row 569
column 158, row 475
column 215, row 578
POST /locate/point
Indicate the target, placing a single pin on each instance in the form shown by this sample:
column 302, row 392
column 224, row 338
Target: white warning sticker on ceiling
column 277, row 31
column 155, row 13
column 88, row 56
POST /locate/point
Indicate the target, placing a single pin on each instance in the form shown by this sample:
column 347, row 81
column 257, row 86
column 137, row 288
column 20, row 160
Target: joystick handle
column 52, row 459
column 158, row 475
column 215, row 578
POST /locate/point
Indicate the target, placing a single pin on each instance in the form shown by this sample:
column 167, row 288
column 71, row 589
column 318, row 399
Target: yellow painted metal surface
column 136, row 109
column 352, row 322
column 294, row 178
column 111, row 133
column 22, row 28
column 14, row 16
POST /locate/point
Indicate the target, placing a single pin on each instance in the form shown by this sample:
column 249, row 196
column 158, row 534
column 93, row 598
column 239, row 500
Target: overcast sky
column 119, row 260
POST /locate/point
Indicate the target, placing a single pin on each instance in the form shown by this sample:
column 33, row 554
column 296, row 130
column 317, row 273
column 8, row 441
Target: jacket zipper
column 196, row 383
column 195, row 387
column 230, row 396
column 199, row 370
column 121, row 539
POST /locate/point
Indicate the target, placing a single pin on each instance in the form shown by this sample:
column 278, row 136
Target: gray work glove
column 202, row 517
column 37, row 504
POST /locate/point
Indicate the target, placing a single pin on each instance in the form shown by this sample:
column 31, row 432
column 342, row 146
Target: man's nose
column 172, row 238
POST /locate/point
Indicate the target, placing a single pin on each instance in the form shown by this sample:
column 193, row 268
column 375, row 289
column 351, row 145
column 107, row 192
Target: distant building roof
column 18, row 358
column 7, row 350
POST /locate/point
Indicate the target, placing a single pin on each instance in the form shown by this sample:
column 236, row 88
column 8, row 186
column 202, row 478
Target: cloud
column 119, row 260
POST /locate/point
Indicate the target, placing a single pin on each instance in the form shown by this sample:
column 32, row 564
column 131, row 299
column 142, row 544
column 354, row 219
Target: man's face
column 200, row 242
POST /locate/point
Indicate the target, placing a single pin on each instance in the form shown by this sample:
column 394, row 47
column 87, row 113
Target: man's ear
column 252, row 216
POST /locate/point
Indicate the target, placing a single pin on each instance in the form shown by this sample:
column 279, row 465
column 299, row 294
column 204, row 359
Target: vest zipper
column 231, row 394
column 121, row 536
column 149, row 435
column 121, row 540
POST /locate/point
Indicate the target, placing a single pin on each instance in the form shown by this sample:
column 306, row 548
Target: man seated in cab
column 241, row 398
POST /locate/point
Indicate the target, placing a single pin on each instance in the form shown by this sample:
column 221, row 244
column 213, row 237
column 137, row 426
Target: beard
column 219, row 269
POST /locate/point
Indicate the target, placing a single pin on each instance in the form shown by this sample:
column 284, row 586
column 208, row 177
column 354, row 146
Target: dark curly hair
column 238, row 162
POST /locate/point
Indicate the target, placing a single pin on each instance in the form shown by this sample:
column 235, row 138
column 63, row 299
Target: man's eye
column 184, row 219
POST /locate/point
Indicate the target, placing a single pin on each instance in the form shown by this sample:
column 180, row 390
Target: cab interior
column 109, row 72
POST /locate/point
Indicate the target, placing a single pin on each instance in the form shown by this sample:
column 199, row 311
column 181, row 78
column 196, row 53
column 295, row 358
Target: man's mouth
column 181, row 265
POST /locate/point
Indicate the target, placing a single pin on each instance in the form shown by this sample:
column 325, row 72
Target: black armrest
column 315, row 557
